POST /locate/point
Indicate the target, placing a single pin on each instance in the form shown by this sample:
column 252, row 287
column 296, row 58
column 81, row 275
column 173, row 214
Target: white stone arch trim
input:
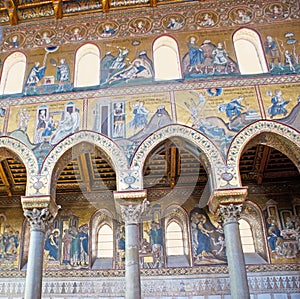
column 27, row 157
column 240, row 141
column 210, row 151
column 112, row 151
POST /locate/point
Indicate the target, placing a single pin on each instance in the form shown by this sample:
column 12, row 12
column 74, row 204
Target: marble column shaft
column 39, row 220
column 235, row 257
column 131, row 215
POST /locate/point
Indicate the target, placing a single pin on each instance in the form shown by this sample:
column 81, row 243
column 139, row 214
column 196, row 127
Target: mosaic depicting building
column 149, row 149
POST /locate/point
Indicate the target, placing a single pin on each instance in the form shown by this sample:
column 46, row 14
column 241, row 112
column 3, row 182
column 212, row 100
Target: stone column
column 228, row 204
column 131, row 206
column 40, row 212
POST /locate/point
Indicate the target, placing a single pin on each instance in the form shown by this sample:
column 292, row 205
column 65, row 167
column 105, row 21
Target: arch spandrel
column 276, row 135
column 211, row 153
column 27, row 158
column 107, row 146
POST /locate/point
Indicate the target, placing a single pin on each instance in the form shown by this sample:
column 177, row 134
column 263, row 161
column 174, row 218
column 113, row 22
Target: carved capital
column 39, row 219
column 131, row 214
column 230, row 213
column 131, row 205
column 40, row 211
column 226, row 197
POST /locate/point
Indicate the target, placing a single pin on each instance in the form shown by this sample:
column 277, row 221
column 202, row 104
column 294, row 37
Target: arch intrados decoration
column 274, row 131
column 97, row 142
column 180, row 143
column 14, row 148
column 279, row 143
column 209, row 150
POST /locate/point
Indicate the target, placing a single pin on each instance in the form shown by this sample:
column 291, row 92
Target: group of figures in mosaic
column 67, row 244
column 54, row 75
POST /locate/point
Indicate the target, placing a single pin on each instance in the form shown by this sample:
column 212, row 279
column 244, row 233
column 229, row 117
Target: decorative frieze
column 175, row 286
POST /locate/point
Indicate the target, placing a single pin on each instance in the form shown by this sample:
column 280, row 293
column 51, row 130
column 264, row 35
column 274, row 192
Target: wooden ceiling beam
column 262, row 164
column 12, row 11
column 153, row 3
column 5, row 180
column 105, row 5
column 84, row 171
column 58, row 11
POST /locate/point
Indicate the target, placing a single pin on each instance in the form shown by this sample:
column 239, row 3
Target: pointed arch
column 166, row 59
column 105, row 245
column 13, row 73
column 102, row 249
column 209, row 152
column 176, row 236
column 273, row 134
column 246, row 236
column 27, row 157
column 249, row 52
column 113, row 153
column 252, row 231
column 87, row 66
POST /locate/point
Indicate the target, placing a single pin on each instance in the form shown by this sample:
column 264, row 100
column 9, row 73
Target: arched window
column 246, row 236
column 87, row 66
column 105, row 242
column 249, row 52
column 166, row 59
column 13, row 73
column 174, row 239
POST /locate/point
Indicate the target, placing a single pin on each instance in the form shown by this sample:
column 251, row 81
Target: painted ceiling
column 14, row 12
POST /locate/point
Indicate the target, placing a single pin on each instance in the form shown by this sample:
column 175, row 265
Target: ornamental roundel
column 139, row 25
column 75, row 33
column 45, row 38
column 107, row 29
column 241, row 15
column 206, row 19
column 276, row 11
column 173, row 22
column 14, row 40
